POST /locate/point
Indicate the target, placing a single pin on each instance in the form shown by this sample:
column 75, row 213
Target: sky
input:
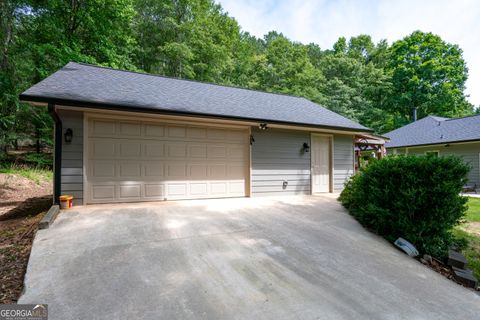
column 324, row 21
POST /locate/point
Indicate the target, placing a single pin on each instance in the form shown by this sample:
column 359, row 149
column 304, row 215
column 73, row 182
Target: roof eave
column 432, row 144
column 34, row 99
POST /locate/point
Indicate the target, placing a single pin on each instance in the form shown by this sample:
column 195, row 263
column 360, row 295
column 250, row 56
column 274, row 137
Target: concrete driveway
column 269, row 258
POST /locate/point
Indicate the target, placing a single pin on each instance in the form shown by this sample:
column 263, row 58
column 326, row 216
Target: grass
column 36, row 174
column 472, row 250
column 473, row 213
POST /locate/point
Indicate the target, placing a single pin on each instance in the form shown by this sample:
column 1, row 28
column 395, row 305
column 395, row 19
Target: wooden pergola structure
column 369, row 142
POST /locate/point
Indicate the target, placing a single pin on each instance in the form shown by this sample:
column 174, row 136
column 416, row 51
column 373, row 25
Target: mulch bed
column 16, row 237
column 443, row 269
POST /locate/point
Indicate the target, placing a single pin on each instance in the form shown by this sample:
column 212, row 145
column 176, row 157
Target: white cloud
column 324, row 21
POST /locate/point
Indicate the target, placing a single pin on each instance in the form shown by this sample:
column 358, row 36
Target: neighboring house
column 124, row 136
column 441, row 136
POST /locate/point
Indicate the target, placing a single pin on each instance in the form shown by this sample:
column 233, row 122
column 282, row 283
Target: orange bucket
column 66, row 202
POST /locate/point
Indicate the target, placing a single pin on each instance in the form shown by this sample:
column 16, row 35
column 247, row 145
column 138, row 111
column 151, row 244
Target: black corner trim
column 57, row 161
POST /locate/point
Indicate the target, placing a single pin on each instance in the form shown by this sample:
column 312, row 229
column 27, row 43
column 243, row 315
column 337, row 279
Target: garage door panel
column 218, row 188
column 129, row 149
column 196, row 133
column 237, row 136
column 176, row 170
column 237, row 152
column 154, row 131
column 176, row 189
column 198, row 151
column 103, row 192
column 154, row 150
column 130, row 191
column 236, row 171
column 153, row 169
column 129, row 169
column 154, row 190
column 177, row 150
column 198, row 171
column 101, row 128
column 103, row 169
column 102, row 149
column 217, row 151
column 145, row 161
column 216, row 134
column 217, row 171
column 177, row 132
column 129, row 129
column 236, row 187
column 198, row 189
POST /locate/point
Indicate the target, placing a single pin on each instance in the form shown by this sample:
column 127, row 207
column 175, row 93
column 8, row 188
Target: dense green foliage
column 428, row 74
column 373, row 83
column 414, row 197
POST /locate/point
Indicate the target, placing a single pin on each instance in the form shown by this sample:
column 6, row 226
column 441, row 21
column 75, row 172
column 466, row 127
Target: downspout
column 57, row 160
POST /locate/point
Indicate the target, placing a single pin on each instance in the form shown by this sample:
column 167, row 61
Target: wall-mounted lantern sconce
column 263, row 126
column 68, row 135
column 252, row 139
column 306, row 147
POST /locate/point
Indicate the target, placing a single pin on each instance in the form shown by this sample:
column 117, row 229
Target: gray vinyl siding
column 72, row 156
column 277, row 156
column 342, row 160
column 395, row 151
column 468, row 151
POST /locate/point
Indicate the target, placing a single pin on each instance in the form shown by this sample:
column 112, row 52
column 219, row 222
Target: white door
column 145, row 160
column 320, row 163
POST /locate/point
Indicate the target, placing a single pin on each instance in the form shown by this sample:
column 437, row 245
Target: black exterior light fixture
column 263, row 126
column 306, row 147
column 68, row 135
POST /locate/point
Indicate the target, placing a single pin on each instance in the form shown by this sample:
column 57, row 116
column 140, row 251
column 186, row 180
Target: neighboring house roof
column 100, row 87
column 435, row 130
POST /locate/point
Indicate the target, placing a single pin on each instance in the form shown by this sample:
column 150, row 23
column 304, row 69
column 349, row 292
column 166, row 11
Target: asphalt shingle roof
column 104, row 87
column 435, row 130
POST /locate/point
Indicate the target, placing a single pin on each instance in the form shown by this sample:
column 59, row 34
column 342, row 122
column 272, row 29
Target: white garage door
column 145, row 161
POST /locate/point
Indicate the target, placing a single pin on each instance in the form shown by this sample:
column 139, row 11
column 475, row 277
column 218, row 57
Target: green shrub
column 414, row 197
column 39, row 160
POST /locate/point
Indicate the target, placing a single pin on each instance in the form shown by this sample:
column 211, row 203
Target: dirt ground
column 15, row 189
column 22, row 196
column 16, row 237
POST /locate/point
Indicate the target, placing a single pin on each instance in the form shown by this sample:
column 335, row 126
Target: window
column 433, row 153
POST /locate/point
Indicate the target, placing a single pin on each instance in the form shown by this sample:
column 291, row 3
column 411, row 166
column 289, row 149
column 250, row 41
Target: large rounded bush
column 414, row 197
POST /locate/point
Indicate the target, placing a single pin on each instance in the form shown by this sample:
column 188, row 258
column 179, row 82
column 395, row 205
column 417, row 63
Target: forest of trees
column 376, row 84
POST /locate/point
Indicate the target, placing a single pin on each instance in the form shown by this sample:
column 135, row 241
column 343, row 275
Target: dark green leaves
column 429, row 74
column 414, row 197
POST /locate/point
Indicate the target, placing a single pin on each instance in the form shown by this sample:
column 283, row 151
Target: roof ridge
column 190, row 80
column 436, row 117
column 460, row 118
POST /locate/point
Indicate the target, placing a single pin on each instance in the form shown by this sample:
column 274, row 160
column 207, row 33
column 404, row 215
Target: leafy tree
column 289, row 69
column 340, row 46
column 361, row 47
column 187, row 38
column 428, row 74
column 354, row 85
column 195, row 39
column 249, row 62
column 39, row 37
